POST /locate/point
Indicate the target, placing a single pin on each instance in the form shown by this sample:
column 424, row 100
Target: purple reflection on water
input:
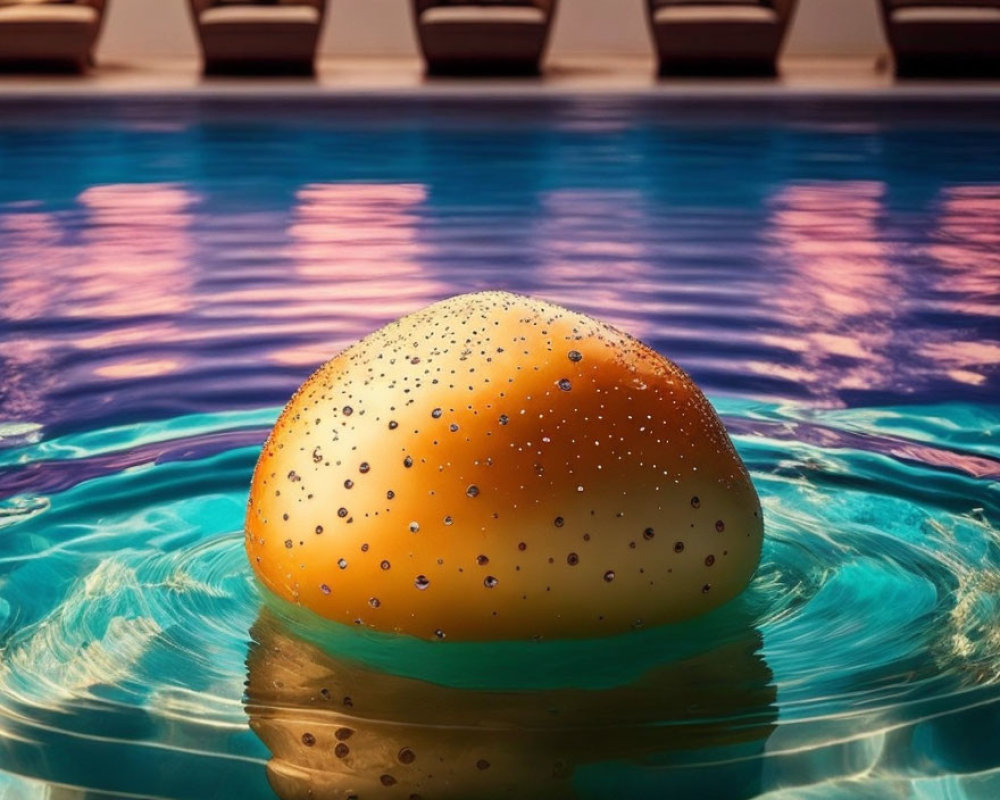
column 840, row 292
column 829, row 273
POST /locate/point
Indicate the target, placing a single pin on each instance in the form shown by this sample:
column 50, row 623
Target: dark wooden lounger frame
column 51, row 46
column 258, row 48
column 483, row 48
column 718, row 46
column 941, row 48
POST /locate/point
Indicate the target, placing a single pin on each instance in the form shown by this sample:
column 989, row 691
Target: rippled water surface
column 170, row 273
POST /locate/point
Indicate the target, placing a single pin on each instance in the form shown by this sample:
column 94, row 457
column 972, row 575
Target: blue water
column 170, row 273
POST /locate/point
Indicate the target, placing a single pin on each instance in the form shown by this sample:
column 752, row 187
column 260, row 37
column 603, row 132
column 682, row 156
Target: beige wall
column 161, row 28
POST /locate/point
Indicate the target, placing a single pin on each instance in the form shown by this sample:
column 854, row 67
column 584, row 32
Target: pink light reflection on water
column 33, row 248
column 34, row 254
column 590, row 260
column 136, row 251
column 137, row 254
column 359, row 261
column 841, row 291
column 131, row 259
column 966, row 246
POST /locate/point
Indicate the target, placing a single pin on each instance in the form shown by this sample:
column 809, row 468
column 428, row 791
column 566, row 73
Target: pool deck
column 812, row 78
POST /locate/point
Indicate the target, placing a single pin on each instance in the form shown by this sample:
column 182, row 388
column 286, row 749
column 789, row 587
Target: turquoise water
column 838, row 304
column 867, row 643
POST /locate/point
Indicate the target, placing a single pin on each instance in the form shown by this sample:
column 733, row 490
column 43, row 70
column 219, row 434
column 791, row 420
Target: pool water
column 170, row 272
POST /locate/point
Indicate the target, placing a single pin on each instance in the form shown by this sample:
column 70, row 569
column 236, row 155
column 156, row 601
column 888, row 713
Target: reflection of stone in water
column 338, row 729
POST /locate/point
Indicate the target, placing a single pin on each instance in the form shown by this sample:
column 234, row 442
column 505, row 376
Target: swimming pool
column 828, row 272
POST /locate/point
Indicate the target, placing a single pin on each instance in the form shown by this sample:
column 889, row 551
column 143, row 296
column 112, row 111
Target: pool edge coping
column 937, row 93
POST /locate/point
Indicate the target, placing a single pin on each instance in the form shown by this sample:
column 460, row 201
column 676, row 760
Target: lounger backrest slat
column 198, row 6
column 896, row 4
column 544, row 5
column 783, row 8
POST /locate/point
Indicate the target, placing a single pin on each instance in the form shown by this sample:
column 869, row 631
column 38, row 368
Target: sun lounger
column 735, row 37
column 59, row 35
column 484, row 37
column 943, row 37
column 258, row 37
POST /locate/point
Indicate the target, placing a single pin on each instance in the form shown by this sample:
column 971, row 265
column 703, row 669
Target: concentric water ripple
column 867, row 641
